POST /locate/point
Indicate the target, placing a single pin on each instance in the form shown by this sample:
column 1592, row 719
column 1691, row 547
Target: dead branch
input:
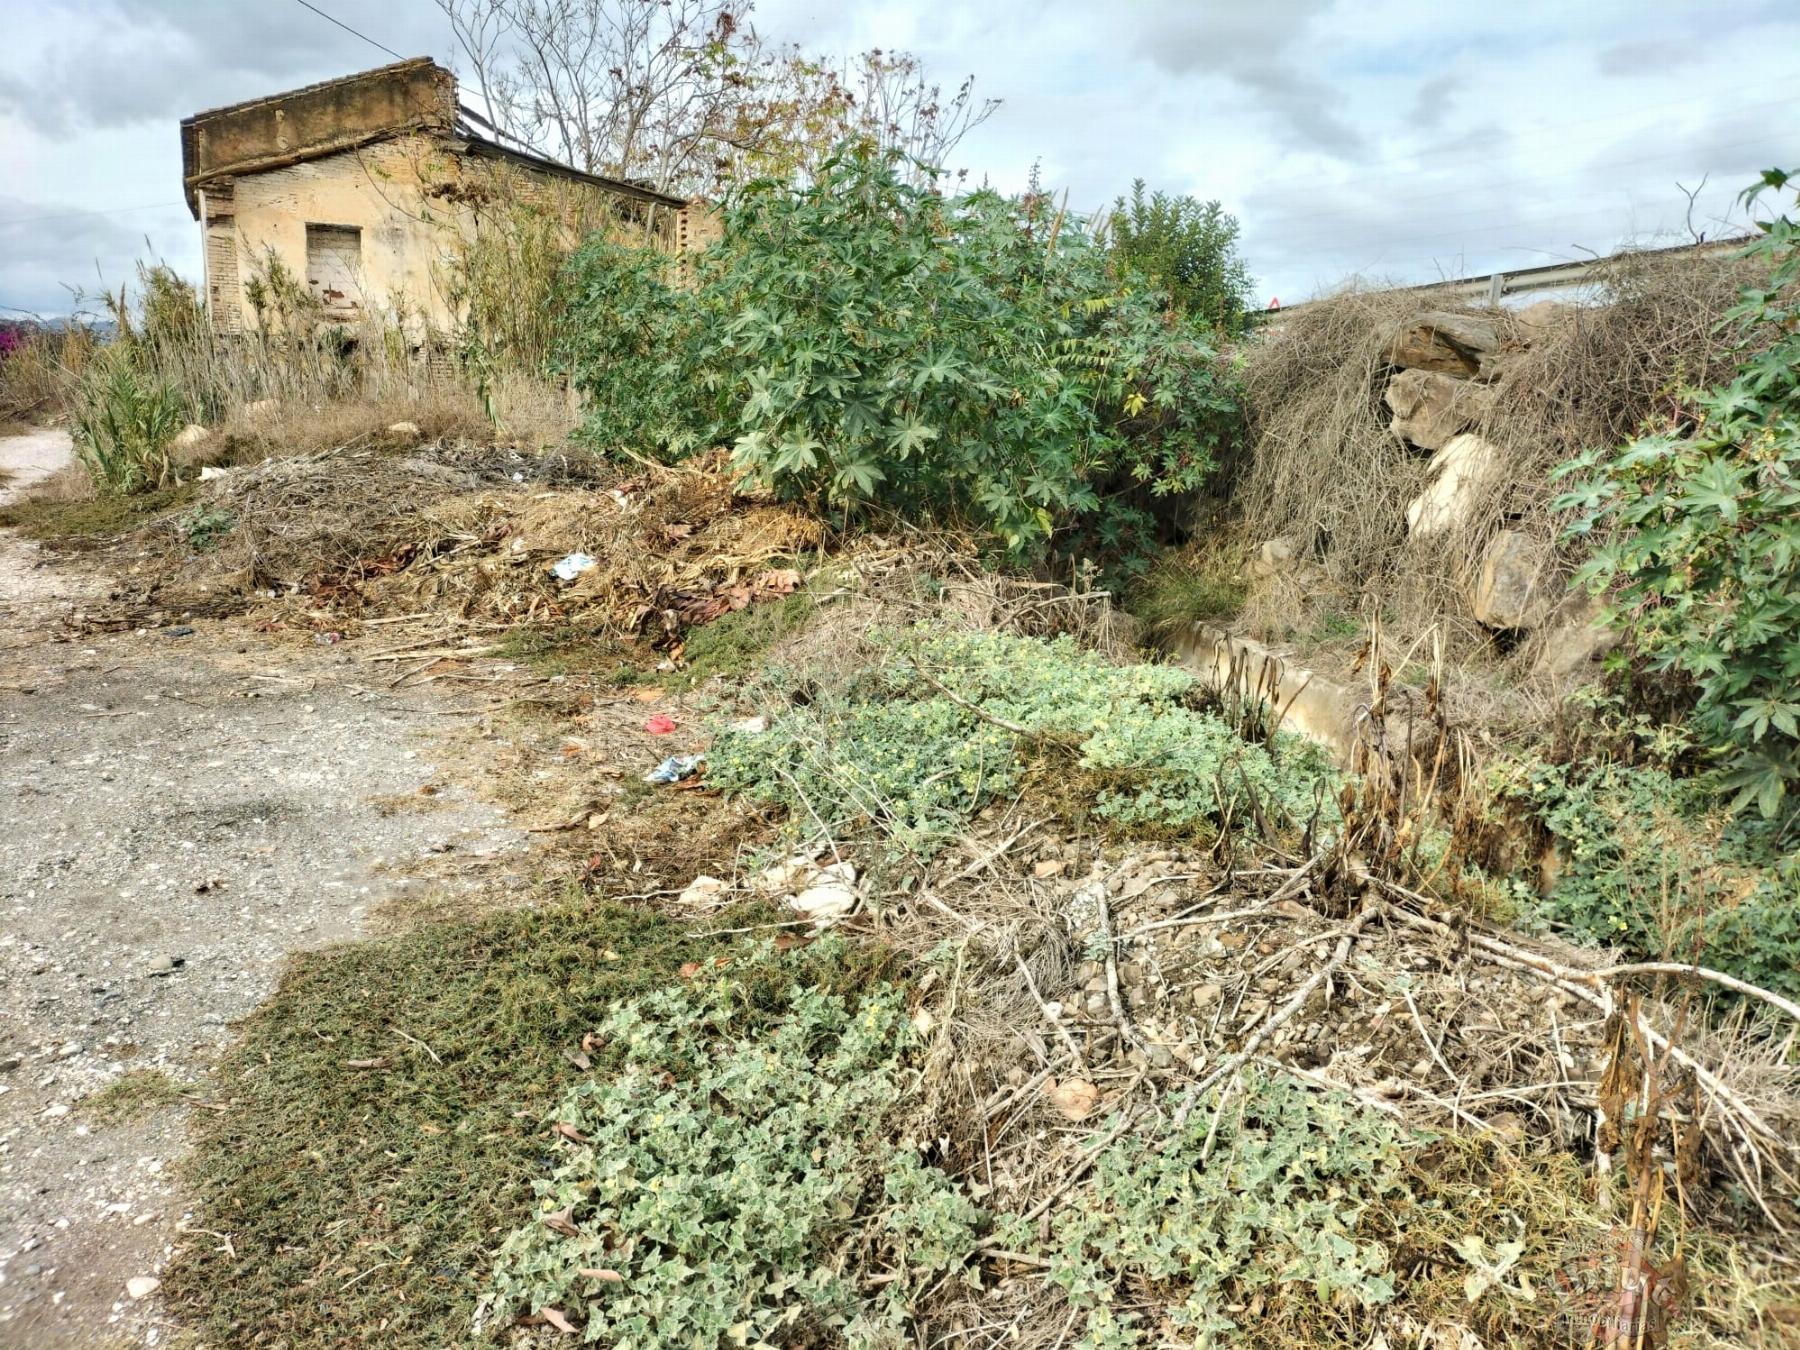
column 1276, row 1019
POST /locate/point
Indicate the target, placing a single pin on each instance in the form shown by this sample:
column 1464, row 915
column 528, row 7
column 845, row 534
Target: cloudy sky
column 1392, row 139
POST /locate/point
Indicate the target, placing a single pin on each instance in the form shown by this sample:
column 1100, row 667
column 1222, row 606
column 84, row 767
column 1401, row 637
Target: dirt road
column 180, row 807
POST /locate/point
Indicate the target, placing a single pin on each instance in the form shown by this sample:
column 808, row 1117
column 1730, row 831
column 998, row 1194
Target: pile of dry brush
column 475, row 534
column 1327, row 470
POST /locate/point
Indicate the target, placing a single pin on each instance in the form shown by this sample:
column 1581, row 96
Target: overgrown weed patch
column 952, row 721
column 94, row 519
column 733, row 645
column 385, row 1122
column 1198, row 584
column 1652, row 863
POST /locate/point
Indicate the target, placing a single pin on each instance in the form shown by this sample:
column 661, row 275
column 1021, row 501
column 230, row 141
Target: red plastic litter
column 660, row 725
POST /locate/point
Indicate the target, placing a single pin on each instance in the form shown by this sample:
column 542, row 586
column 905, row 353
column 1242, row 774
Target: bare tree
column 635, row 89
column 899, row 108
column 804, row 107
column 683, row 94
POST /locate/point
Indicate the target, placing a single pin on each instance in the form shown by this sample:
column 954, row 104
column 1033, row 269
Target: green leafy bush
column 895, row 749
column 1186, row 248
column 1700, row 539
column 628, row 349
column 1647, row 863
column 729, row 1181
column 124, row 422
column 861, row 342
column 1276, row 1200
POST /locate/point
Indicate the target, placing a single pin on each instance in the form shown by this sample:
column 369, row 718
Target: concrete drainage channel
column 1322, row 709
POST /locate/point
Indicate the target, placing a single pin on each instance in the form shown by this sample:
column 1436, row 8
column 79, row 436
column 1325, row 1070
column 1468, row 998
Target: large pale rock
column 1513, row 585
column 1574, row 641
column 1430, row 407
column 1313, row 704
column 189, row 436
column 1274, row 555
column 1455, row 344
column 1461, row 475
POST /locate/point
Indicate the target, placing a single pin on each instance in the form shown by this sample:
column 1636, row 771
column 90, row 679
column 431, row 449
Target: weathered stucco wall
column 414, row 200
column 378, row 190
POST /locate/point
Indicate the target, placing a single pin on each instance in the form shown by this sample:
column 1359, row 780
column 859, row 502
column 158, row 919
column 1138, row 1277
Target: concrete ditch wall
column 1331, row 712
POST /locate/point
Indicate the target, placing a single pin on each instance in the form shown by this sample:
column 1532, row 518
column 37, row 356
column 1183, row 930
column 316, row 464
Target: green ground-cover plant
column 365, row 1177
column 85, row 521
column 951, row 720
column 1650, row 863
column 203, row 527
column 736, row 1172
column 1699, row 534
column 864, row 343
column 1185, row 248
column 1274, row 1196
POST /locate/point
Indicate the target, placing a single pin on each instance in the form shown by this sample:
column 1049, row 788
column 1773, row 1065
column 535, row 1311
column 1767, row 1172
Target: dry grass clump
column 441, row 412
column 293, row 382
column 1328, row 474
column 1325, row 470
column 37, row 373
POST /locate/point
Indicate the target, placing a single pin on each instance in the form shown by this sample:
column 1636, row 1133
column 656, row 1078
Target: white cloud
column 1400, row 138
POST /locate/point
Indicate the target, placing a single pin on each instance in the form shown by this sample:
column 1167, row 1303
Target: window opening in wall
column 333, row 266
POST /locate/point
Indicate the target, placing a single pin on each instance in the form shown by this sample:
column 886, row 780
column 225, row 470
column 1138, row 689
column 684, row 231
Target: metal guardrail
column 1492, row 287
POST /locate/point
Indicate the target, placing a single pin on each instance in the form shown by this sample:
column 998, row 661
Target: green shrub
column 737, row 1181
column 1702, row 542
column 124, row 422
column 1186, row 248
column 861, row 342
column 895, row 750
column 627, row 346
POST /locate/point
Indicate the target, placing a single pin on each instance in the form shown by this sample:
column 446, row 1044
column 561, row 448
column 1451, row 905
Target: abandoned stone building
column 363, row 190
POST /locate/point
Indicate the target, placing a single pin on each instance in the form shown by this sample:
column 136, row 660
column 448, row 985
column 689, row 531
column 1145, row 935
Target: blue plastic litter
column 675, row 768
